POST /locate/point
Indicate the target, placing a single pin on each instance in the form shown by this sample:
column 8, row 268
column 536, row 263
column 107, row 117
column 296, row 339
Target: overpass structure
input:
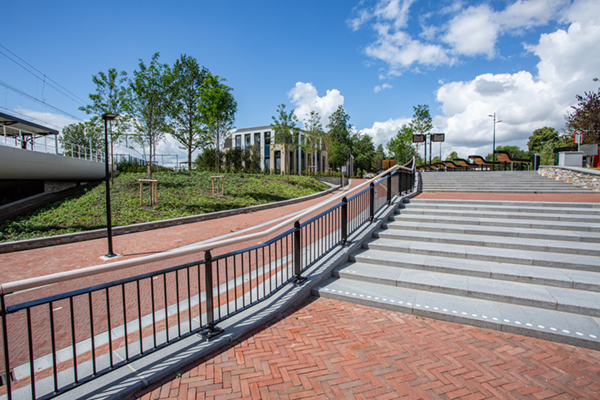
column 29, row 151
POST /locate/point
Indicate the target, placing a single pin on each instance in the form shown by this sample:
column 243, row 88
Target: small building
column 272, row 156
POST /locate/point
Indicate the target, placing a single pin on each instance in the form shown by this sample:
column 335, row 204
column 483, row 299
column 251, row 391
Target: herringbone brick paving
column 327, row 349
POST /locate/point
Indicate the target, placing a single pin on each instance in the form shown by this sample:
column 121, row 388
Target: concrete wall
column 26, row 164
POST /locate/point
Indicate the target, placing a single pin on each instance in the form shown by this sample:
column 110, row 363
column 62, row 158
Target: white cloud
column 305, row 98
column 55, row 121
column 378, row 88
column 464, row 30
column 382, row 132
column 473, row 32
column 524, row 102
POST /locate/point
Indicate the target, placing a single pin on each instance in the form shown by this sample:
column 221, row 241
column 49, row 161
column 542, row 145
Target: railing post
column 7, row 374
column 400, row 177
column 344, row 221
column 389, row 191
column 298, row 278
column 212, row 330
column 372, row 198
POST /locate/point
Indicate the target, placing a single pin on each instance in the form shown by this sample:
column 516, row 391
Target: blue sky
column 525, row 60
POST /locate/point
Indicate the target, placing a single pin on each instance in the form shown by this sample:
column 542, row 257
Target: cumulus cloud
column 305, row 98
column 379, row 88
column 382, row 132
column 473, row 32
column 55, row 121
column 464, row 30
column 523, row 101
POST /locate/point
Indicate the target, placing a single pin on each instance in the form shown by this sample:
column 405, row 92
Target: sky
column 524, row 60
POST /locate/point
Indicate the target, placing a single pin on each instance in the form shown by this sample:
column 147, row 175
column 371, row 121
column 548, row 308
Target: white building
column 272, row 156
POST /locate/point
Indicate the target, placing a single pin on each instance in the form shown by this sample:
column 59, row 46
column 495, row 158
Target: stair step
column 560, row 326
column 549, row 297
column 571, row 236
column 504, row 222
column 552, row 276
column 553, row 246
column 508, row 215
column 507, row 208
column 525, row 257
column 504, row 203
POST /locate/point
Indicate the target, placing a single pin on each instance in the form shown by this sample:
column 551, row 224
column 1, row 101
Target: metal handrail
column 24, row 284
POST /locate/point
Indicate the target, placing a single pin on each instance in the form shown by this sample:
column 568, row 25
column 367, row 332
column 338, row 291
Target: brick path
column 333, row 350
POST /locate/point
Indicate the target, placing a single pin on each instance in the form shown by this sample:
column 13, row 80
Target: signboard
column 577, row 139
column 437, row 137
column 418, row 138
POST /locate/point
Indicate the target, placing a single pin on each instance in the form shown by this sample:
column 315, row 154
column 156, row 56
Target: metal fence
column 51, row 345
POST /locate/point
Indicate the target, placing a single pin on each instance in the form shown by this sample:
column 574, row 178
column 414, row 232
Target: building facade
column 272, row 156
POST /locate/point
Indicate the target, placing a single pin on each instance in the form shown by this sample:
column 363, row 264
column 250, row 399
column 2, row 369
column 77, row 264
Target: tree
column 313, row 136
column 379, row 157
column 110, row 97
column 218, row 108
column 234, row 159
column 542, row 136
column 148, row 104
column 87, row 135
column 585, row 117
column 401, row 145
column 339, row 131
column 363, row 151
column 186, row 89
column 421, row 124
column 285, row 132
column 452, row 156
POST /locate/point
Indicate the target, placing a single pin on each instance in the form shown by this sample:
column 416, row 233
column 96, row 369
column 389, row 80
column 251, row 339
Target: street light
column 494, row 141
column 108, row 117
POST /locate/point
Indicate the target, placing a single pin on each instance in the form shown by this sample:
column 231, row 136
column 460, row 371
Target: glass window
column 257, row 138
column 247, row 140
column 267, row 138
column 238, row 141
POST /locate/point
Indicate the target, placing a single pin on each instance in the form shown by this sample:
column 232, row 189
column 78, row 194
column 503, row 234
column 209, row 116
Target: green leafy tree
column 339, row 131
column 546, row 155
column 110, row 97
column 185, row 92
column 313, row 136
column 542, row 136
column 234, row 159
column 82, row 137
column 514, row 151
column 379, row 157
column 452, row 156
column 422, row 123
column 205, row 161
column 149, row 104
column 285, row 132
column 401, row 146
column 218, row 108
column 251, row 159
column 585, row 118
column 363, row 151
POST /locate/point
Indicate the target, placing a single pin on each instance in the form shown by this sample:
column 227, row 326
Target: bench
column 464, row 163
column 505, row 158
column 481, row 162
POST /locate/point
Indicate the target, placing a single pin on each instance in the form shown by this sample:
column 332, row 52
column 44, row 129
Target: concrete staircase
column 495, row 182
column 529, row 268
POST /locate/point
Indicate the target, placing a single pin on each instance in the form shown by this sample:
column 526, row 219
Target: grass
column 180, row 194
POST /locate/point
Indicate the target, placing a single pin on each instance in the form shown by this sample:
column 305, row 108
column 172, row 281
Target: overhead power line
column 31, row 118
column 43, row 77
column 18, row 91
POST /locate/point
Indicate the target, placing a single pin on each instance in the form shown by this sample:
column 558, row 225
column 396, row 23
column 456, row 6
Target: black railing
column 55, row 343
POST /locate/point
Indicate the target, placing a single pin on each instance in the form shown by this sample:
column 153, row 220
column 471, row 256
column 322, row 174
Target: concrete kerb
column 29, row 244
column 133, row 377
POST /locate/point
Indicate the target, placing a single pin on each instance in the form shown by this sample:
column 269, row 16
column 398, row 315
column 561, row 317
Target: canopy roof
column 25, row 126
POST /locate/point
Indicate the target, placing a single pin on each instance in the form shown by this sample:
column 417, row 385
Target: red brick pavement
column 53, row 259
column 328, row 349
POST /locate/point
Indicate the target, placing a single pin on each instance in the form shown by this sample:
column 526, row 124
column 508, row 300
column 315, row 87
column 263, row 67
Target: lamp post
column 494, row 141
column 108, row 117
